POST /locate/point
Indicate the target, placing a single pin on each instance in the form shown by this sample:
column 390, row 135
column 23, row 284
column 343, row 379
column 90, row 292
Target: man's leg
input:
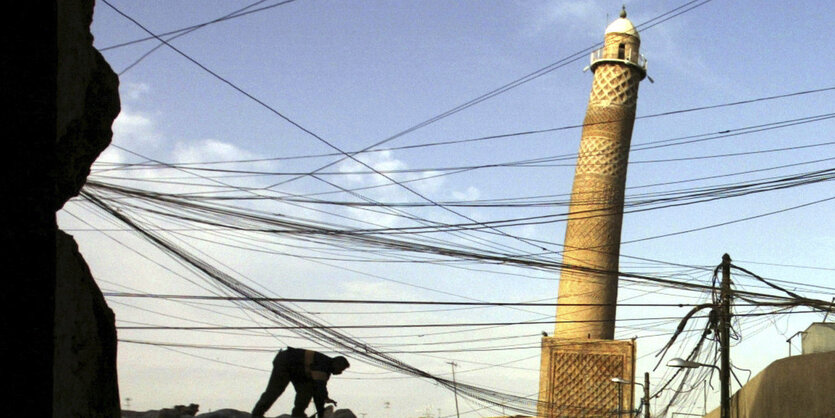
column 304, row 393
column 278, row 382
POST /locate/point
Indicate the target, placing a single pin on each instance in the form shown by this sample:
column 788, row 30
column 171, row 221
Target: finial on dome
column 622, row 25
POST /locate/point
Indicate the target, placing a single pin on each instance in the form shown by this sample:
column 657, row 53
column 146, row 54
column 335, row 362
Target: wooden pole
column 455, row 388
column 724, row 340
column 646, row 395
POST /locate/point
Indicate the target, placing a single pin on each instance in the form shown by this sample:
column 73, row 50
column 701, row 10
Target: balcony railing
column 629, row 57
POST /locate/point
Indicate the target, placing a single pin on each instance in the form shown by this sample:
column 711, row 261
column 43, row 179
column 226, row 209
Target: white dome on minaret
column 623, row 25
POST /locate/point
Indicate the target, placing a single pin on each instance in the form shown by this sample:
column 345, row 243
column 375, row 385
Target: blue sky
column 356, row 73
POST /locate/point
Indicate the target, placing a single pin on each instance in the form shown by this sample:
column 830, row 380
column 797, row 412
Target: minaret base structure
column 575, row 377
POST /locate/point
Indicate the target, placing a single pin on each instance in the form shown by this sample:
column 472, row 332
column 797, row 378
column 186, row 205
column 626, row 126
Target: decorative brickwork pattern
column 592, row 237
column 615, row 84
column 587, row 371
column 579, row 376
column 602, row 156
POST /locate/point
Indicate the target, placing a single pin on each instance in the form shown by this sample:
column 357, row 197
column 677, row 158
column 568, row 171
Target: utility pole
column 724, row 337
column 646, row 395
column 455, row 388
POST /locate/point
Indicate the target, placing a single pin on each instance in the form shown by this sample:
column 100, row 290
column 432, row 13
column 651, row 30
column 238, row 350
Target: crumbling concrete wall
column 84, row 373
column 87, row 101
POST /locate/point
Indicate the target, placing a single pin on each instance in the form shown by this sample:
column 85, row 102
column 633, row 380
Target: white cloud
column 132, row 131
column 668, row 52
column 133, row 91
column 133, row 128
column 209, row 150
column 137, row 132
column 576, row 16
column 426, row 183
column 112, row 155
column 472, row 193
column 568, row 11
column 379, row 161
column 385, row 162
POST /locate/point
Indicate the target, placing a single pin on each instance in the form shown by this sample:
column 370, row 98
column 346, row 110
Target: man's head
column 339, row 364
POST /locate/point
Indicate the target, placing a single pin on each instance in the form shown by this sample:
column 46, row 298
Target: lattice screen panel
column 576, row 377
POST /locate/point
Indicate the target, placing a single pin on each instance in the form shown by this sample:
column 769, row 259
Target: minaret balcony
column 622, row 55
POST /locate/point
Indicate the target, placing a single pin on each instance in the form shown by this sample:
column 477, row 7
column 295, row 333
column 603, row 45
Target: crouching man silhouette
column 309, row 372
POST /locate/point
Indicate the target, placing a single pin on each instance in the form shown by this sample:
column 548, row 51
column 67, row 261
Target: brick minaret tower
column 580, row 360
column 592, row 237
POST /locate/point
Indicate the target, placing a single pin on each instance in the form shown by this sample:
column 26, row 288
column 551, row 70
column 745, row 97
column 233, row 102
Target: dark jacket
column 310, row 369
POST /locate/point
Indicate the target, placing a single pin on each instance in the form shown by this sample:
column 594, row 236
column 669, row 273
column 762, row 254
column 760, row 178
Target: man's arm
column 320, row 396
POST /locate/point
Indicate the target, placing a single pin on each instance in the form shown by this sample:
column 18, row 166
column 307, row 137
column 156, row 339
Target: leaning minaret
column 592, row 237
column 581, row 358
